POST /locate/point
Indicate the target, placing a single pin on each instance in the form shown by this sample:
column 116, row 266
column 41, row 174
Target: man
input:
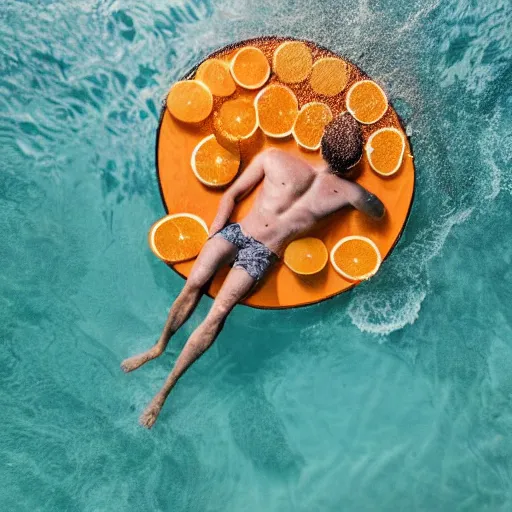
column 294, row 197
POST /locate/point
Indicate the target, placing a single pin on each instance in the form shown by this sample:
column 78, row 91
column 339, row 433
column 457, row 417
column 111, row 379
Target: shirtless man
column 294, row 197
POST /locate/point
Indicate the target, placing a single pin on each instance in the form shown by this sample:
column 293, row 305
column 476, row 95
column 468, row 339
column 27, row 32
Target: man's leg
column 237, row 285
column 215, row 253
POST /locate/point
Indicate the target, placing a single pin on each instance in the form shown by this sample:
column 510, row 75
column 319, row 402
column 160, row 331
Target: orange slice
column 213, row 165
column 250, row 68
column 385, row 150
column 190, row 101
column 329, row 76
column 276, row 110
column 356, row 258
column 235, row 121
column 214, row 73
column 310, row 124
column 292, row 62
column 366, row 101
column 306, row 256
column 178, row 237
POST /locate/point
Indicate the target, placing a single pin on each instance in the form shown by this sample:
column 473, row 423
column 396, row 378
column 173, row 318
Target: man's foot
column 148, row 417
column 134, row 362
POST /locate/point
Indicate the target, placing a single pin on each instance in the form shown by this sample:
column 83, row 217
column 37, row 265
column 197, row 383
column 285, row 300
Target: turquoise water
column 397, row 396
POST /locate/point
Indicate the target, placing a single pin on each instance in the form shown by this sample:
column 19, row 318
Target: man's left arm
column 366, row 202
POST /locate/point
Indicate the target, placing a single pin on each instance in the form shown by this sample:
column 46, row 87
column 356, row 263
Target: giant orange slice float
column 182, row 191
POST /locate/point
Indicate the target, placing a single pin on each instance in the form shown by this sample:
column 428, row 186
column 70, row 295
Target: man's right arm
column 241, row 187
column 366, row 202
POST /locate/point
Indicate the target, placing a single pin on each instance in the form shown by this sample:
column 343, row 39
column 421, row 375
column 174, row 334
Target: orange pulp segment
column 385, row 150
column 366, row 101
column 306, row 256
column 214, row 165
column 329, row 76
column 215, row 74
column 178, row 237
column 355, row 258
column 250, row 68
column 310, row 124
column 235, row 121
column 276, row 110
column 190, row 101
column 292, row 62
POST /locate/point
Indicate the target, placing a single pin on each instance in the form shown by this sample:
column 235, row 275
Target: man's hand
column 226, row 205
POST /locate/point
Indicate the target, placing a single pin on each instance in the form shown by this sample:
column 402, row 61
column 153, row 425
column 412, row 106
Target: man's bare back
column 294, row 197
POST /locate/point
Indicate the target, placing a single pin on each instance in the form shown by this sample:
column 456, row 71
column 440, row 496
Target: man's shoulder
column 273, row 152
column 276, row 155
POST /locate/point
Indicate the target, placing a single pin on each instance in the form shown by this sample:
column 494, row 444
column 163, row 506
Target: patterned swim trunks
column 253, row 256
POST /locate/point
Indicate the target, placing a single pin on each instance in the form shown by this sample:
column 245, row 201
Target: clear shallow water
column 394, row 397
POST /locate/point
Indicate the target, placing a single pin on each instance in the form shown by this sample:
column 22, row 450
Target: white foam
column 393, row 298
column 497, row 140
column 380, row 313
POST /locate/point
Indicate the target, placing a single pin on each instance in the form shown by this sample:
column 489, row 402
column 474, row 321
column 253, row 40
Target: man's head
column 342, row 144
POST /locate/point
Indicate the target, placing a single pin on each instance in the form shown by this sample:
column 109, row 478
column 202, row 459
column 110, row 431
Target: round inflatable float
column 267, row 78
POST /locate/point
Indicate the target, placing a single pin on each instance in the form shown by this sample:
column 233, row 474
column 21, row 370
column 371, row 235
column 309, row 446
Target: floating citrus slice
column 276, row 110
column 306, row 256
column 385, row 150
column 356, row 258
column 214, row 73
column 214, row 165
column 292, row 62
column 190, row 101
column 310, row 124
column 178, row 237
column 250, row 68
column 366, row 101
column 329, row 76
column 235, row 121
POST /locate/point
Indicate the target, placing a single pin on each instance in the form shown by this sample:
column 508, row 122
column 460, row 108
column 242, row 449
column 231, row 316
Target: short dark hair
column 342, row 143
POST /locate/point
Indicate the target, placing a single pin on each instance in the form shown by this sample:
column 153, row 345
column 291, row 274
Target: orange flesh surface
column 387, row 148
column 215, row 164
column 251, row 67
column 367, row 102
column 310, row 124
column 182, row 191
column 237, row 118
column 306, row 255
column 356, row 258
column 277, row 110
column 215, row 74
column 293, row 63
column 329, row 76
column 189, row 102
column 180, row 239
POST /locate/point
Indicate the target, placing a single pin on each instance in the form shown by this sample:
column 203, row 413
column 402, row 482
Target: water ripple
column 304, row 410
